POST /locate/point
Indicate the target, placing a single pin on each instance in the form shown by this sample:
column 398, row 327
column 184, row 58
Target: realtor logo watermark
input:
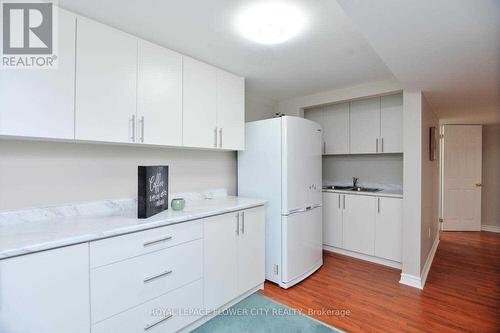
column 29, row 38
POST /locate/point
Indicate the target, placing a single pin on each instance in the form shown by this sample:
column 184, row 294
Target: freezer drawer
column 302, row 243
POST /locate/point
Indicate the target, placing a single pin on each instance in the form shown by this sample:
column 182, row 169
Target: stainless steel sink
column 365, row 189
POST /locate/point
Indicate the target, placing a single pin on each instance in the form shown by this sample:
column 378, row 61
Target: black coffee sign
column 153, row 190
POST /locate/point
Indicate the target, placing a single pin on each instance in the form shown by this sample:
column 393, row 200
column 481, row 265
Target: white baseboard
column 376, row 260
column 411, row 280
column 428, row 262
column 419, row 281
column 490, row 228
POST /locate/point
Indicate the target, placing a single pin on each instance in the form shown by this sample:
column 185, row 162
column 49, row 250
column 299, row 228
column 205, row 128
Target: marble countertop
column 392, row 193
column 28, row 231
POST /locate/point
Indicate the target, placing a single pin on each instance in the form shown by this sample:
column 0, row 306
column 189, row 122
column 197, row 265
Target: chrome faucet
column 355, row 182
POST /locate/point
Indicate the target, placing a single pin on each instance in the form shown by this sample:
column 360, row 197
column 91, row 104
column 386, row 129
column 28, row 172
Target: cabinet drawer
column 170, row 312
column 114, row 249
column 123, row 285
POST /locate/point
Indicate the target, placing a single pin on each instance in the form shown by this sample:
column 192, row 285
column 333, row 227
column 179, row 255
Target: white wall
column 430, row 187
column 412, row 181
column 48, row 173
column 386, row 169
column 257, row 108
column 295, row 106
column 490, row 206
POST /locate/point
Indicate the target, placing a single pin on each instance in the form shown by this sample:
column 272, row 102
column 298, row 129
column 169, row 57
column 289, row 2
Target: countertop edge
column 64, row 242
column 371, row 194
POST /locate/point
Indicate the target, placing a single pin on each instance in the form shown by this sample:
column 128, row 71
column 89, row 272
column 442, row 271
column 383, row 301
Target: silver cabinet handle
column 344, row 201
column 238, row 224
column 142, row 128
column 161, row 240
column 132, row 136
column 220, row 137
column 382, row 142
column 376, row 145
column 378, row 205
column 215, row 137
column 324, row 147
column 242, row 222
column 339, row 199
column 157, row 276
column 149, row 326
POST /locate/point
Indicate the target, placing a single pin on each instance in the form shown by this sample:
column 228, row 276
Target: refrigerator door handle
column 295, row 211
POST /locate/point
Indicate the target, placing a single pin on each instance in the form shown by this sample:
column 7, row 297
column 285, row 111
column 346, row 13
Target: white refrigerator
column 281, row 163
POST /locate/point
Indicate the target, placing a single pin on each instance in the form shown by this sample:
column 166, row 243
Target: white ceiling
column 450, row 49
column 329, row 54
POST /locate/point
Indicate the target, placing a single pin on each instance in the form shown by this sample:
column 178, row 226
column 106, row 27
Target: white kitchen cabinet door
column 388, row 228
column 220, row 255
column 40, row 103
column 391, row 124
column 251, row 249
column 364, row 127
column 106, row 75
column 46, row 292
column 159, row 95
column 316, row 115
column 332, row 219
column 358, row 228
column 199, row 104
column 336, row 129
column 230, row 111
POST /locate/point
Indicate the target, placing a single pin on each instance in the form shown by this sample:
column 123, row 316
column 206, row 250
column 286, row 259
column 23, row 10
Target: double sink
column 352, row 188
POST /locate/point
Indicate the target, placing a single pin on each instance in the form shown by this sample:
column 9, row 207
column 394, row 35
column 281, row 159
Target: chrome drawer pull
column 149, row 326
column 157, row 276
column 161, row 240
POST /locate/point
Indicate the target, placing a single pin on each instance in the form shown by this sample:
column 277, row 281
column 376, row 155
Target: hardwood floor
column 462, row 293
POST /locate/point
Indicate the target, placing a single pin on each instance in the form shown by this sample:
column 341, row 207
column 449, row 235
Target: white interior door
column 462, row 177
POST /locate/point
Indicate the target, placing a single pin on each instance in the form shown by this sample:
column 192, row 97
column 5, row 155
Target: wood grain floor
column 462, row 293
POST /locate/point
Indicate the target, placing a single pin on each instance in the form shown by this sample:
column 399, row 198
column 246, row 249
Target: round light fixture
column 270, row 23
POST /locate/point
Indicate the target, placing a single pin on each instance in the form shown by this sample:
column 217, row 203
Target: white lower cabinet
column 332, row 219
column 234, row 256
column 168, row 313
column 388, row 228
column 46, row 292
column 158, row 280
column 125, row 284
column 359, row 223
column 363, row 224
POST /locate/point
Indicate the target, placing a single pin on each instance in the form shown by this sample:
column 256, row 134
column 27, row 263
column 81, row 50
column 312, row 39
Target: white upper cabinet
column 391, row 124
column 230, row 111
column 106, row 83
column 336, row 129
column 200, row 105
column 40, row 102
column 365, row 126
column 159, row 95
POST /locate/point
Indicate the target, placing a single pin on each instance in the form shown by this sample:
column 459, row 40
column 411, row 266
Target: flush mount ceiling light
column 270, row 23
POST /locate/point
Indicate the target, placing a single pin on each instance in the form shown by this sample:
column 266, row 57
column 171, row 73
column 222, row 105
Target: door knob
column 479, row 184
